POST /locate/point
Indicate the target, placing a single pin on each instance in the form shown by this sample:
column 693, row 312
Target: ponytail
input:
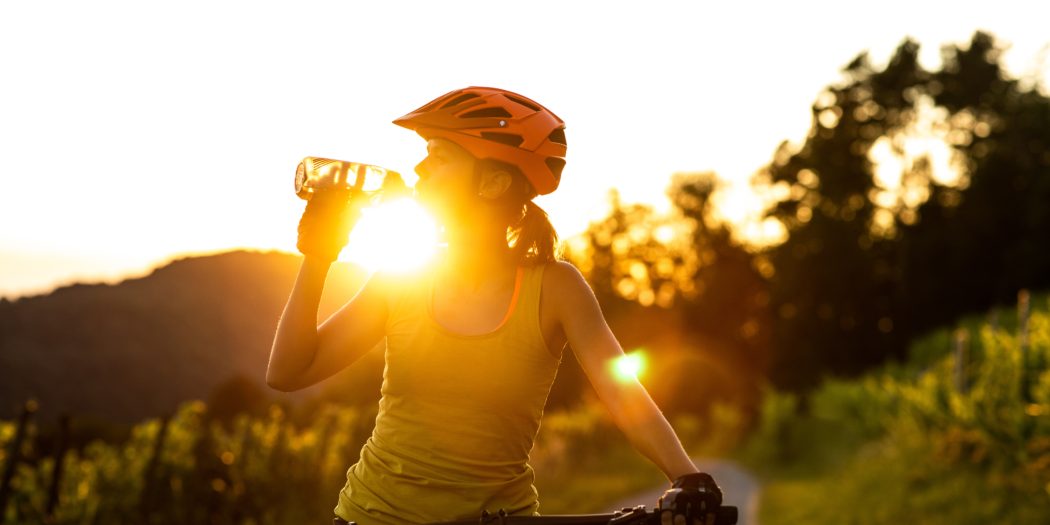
column 533, row 238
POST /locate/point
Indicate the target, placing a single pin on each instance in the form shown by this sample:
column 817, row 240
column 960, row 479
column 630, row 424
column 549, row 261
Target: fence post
column 56, row 470
column 961, row 354
column 245, row 502
column 146, row 498
column 1023, row 310
column 277, row 466
column 12, row 460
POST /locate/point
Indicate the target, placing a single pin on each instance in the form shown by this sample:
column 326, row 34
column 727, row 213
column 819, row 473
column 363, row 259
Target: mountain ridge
column 139, row 347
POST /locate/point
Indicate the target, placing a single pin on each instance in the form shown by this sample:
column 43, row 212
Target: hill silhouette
column 138, row 348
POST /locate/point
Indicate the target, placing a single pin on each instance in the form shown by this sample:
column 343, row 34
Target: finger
column 665, row 517
column 679, row 519
column 710, row 519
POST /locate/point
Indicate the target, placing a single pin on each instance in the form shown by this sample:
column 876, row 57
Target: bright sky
column 133, row 132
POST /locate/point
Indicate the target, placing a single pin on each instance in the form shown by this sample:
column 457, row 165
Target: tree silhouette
column 861, row 274
column 683, row 287
column 833, row 284
column 977, row 242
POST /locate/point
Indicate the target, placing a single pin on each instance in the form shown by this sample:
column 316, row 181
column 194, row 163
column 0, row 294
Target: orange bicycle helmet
column 497, row 124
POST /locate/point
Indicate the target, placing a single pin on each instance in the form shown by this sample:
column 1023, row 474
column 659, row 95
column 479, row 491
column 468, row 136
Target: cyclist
column 473, row 343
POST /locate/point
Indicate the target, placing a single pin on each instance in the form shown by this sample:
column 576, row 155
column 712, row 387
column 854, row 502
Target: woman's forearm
column 295, row 343
column 650, row 433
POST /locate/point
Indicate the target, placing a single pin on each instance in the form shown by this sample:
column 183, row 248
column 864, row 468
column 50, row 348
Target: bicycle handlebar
column 725, row 515
column 639, row 515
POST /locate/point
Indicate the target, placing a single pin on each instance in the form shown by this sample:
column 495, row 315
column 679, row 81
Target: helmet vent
column 459, row 100
column 558, row 136
column 487, row 112
column 524, row 102
column 503, row 138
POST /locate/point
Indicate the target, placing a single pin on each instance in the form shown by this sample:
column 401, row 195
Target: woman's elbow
column 284, row 373
column 278, row 384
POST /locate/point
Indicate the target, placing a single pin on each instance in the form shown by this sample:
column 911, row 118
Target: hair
column 530, row 234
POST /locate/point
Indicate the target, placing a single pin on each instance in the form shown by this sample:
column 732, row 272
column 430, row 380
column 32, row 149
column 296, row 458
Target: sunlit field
column 968, row 410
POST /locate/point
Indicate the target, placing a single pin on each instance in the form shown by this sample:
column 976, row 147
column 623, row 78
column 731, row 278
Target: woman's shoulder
column 561, row 276
column 568, row 296
column 560, row 268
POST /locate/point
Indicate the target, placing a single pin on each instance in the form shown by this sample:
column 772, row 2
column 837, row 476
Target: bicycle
column 638, row 515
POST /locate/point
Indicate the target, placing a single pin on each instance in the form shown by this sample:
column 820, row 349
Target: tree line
column 886, row 236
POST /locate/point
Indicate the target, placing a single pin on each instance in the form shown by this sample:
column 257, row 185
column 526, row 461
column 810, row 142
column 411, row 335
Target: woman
column 473, row 344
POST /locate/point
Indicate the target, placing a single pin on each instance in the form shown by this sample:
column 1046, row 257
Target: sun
column 629, row 366
column 393, row 236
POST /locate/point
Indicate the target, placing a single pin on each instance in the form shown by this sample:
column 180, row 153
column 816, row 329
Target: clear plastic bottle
column 316, row 173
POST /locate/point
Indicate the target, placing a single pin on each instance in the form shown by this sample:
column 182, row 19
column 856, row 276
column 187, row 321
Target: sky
column 132, row 133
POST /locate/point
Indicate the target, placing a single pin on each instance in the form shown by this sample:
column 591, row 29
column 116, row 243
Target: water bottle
column 317, row 173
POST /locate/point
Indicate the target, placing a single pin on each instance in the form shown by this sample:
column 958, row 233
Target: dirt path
column 738, row 485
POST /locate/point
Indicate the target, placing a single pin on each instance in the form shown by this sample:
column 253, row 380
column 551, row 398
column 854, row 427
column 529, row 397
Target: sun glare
column 628, row 366
column 395, row 236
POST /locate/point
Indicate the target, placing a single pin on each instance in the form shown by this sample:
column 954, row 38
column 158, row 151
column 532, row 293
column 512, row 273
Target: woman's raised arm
column 304, row 353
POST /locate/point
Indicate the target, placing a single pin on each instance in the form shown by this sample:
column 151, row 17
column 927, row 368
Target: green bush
column 948, row 437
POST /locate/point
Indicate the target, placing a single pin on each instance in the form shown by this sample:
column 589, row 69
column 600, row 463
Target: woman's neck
column 476, row 262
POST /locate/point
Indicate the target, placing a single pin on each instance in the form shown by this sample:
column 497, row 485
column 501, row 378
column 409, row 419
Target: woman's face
column 446, row 177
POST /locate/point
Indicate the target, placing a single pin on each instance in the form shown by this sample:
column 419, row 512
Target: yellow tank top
column 457, row 418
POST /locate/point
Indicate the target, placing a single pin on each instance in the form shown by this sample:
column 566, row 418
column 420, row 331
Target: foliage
column 918, row 196
column 888, row 236
column 958, row 438
column 583, row 463
column 681, row 285
column 264, row 469
column 256, row 470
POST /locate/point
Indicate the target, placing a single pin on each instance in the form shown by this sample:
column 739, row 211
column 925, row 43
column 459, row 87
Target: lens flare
column 629, row 366
column 395, row 236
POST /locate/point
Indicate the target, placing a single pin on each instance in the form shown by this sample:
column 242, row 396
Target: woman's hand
column 326, row 223
column 691, row 500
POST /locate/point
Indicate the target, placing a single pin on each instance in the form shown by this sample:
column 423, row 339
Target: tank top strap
column 532, row 282
column 526, row 317
column 515, row 298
